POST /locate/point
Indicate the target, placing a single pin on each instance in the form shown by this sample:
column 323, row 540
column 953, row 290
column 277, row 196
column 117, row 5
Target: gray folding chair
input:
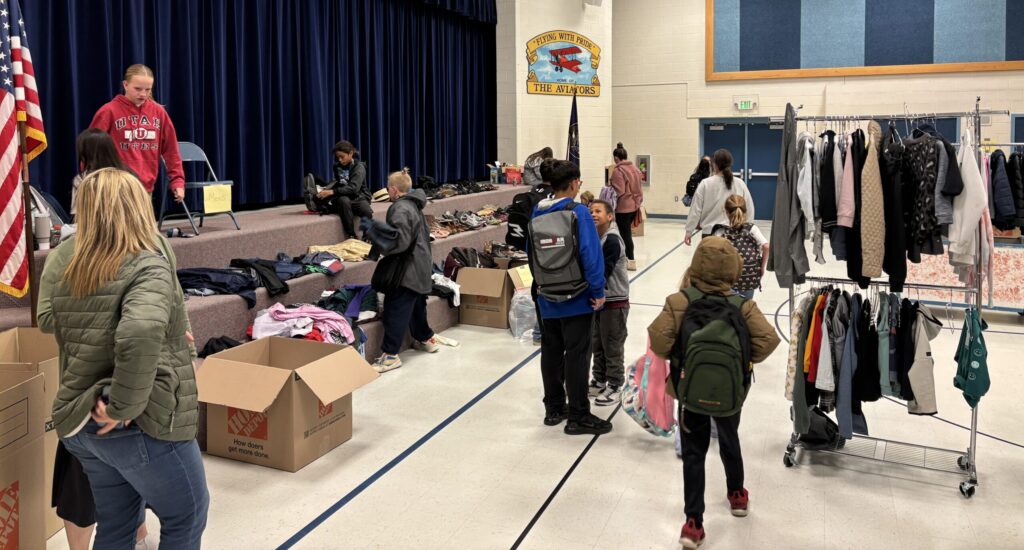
column 190, row 152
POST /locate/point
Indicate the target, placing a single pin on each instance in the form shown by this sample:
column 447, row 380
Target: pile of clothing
column 350, row 250
column 202, row 281
column 443, row 287
column 357, row 303
column 302, row 321
column 881, row 198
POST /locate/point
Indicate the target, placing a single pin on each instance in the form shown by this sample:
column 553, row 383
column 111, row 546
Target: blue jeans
column 748, row 294
column 128, row 470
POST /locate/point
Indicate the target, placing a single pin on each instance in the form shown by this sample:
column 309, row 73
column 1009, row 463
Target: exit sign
column 745, row 103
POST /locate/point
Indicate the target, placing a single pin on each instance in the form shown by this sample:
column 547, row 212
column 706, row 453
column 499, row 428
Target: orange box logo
column 247, row 423
column 325, row 410
column 9, row 518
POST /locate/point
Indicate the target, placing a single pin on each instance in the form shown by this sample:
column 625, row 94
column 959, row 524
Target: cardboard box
column 280, row 402
column 486, row 295
column 31, row 351
column 22, row 500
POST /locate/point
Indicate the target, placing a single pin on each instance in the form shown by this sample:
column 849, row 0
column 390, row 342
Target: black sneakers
column 555, row 417
column 588, row 425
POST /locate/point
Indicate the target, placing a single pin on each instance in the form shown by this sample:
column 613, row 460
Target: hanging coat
column 922, row 372
column 1015, row 173
column 787, row 257
column 972, row 359
column 854, row 247
column 1004, row 212
column 895, row 261
column 967, row 212
column 850, row 420
column 872, row 218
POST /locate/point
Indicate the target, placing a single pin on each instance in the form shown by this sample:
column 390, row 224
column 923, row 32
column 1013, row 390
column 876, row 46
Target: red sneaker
column 691, row 536
column 739, row 501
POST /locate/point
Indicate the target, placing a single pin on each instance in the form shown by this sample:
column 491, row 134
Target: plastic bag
column 522, row 315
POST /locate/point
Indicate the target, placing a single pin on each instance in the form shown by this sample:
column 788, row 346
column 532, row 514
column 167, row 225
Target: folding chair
column 190, row 152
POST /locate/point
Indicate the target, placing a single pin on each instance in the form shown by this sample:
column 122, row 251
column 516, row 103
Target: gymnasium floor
column 450, row 452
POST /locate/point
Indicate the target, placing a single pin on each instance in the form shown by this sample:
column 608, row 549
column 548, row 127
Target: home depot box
column 485, row 295
column 29, row 350
column 22, row 498
column 280, row 402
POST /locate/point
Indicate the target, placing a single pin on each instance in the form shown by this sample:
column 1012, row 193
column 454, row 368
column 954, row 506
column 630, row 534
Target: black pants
column 695, row 448
column 347, row 209
column 625, row 222
column 564, row 354
column 404, row 308
column 608, row 342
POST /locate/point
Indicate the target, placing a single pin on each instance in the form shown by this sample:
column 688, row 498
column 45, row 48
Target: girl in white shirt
column 708, row 207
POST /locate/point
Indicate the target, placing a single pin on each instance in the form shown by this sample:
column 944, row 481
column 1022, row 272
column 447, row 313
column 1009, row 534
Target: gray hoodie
column 616, row 278
column 787, row 257
column 406, row 215
column 922, row 372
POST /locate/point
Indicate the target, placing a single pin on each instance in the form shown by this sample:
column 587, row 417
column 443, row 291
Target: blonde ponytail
column 736, row 210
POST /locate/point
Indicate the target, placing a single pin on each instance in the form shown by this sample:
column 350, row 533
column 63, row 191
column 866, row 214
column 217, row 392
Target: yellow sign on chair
column 216, row 199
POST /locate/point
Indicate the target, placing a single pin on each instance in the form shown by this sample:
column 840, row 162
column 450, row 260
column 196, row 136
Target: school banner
column 563, row 63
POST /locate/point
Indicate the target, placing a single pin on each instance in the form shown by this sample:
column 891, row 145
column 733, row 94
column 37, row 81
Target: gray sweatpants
column 608, row 345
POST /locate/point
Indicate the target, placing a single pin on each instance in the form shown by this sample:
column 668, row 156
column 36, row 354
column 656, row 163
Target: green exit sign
column 745, row 103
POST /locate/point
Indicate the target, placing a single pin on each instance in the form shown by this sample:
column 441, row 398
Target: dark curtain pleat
column 266, row 87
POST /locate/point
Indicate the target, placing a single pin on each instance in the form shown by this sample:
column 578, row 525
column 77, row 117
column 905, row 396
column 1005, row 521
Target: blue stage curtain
column 266, row 87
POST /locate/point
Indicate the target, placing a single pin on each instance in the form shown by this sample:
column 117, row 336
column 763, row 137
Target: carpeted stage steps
column 288, row 229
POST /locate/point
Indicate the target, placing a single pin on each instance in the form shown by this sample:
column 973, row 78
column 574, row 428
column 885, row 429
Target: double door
column 755, row 148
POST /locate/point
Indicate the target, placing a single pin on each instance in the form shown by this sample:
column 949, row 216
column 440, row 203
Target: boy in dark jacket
column 609, row 335
column 566, row 326
column 715, row 268
column 348, row 194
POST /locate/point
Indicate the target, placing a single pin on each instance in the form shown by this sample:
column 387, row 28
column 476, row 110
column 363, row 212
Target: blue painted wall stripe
column 968, row 32
column 770, row 32
column 727, row 36
column 831, row 33
column 899, row 36
column 1014, row 36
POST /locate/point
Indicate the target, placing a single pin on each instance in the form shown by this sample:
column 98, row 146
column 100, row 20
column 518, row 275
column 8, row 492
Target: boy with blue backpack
column 568, row 268
column 712, row 337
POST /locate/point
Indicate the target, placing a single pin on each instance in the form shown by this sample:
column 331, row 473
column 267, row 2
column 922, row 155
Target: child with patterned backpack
column 748, row 241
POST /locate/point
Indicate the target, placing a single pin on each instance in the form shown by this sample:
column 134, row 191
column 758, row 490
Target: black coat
column 1015, row 173
column 895, row 261
column 1004, row 211
column 854, row 252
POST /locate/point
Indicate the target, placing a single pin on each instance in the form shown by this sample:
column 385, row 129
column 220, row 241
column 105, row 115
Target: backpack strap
column 571, row 205
column 692, row 294
column 737, row 300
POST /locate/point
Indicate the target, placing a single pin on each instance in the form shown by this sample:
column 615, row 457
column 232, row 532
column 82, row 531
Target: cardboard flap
column 521, row 277
column 482, row 282
column 239, row 385
column 337, row 375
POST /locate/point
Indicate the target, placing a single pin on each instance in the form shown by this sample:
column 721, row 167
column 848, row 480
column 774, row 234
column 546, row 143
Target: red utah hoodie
column 142, row 135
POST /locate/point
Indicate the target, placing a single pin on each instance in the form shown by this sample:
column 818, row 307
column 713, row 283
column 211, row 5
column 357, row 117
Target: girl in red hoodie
column 142, row 131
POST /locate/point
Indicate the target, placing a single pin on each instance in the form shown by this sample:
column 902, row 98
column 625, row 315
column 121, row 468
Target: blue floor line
column 330, row 511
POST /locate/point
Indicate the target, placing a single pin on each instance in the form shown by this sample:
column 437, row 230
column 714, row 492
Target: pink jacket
column 626, row 179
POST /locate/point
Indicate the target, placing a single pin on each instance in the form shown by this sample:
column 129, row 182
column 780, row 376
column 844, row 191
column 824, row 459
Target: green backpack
column 711, row 356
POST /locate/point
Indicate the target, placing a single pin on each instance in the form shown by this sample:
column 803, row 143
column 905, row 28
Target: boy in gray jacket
column 609, row 334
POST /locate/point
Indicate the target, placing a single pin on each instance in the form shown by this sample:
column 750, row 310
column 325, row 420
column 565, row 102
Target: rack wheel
column 788, row 460
column 967, row 488
column 963, row 462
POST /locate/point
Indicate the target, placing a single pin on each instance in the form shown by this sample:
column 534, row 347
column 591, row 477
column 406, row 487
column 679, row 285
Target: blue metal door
column 764, row 143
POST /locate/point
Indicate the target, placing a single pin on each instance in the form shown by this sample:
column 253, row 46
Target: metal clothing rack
column 893, row 451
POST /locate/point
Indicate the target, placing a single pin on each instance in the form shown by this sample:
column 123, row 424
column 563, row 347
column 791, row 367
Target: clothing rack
column 894, row 451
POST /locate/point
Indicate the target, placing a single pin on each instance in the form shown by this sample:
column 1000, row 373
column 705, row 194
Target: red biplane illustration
column 565, row 58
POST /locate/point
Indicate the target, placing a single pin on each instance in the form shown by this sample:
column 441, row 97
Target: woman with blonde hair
column 748, row 241
column 126, row 405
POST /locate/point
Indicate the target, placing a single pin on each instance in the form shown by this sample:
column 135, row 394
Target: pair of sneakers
column 389, row 361
column 586, row 425
column 603, row 394
column 693, row 535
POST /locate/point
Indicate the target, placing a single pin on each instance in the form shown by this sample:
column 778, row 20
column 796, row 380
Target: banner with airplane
column 563, row 63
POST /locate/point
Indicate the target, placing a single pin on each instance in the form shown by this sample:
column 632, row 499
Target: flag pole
column 33, row 280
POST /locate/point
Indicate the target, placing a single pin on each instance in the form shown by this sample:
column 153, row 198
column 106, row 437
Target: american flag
column 19, row 101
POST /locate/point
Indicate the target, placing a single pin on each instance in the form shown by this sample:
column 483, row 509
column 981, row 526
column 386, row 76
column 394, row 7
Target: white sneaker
column 445, row 341
column 430, row 346
column 387, row 362
column 630, row 265
column 595, row 388
column 609, row 396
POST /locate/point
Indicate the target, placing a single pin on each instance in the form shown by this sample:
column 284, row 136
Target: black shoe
column 588, row 425
column 554, row 418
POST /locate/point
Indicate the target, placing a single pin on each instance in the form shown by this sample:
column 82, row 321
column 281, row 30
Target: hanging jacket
column 894, row 327
column 850, row 421
column 882, row 322
column 972, row 359
column 805, row 180
column 894, row 262
column 796, row 323
column 925, row 235
column 1015, row 173
column 825, row 379
column 787, row 257
column 922, row 371
column 954, row 182
column 872, row 222
column 1004, row 212
column 967, row 211
column 905, row 348
column 943, row 204
column 866, row 385
column 854, row 247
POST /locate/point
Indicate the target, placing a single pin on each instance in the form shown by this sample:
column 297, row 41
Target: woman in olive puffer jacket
column 127, row 404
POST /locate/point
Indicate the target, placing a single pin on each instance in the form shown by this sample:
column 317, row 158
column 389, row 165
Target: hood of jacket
column 417, row 196
column 715, row 267
column 548, row 204
column 925, row 318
